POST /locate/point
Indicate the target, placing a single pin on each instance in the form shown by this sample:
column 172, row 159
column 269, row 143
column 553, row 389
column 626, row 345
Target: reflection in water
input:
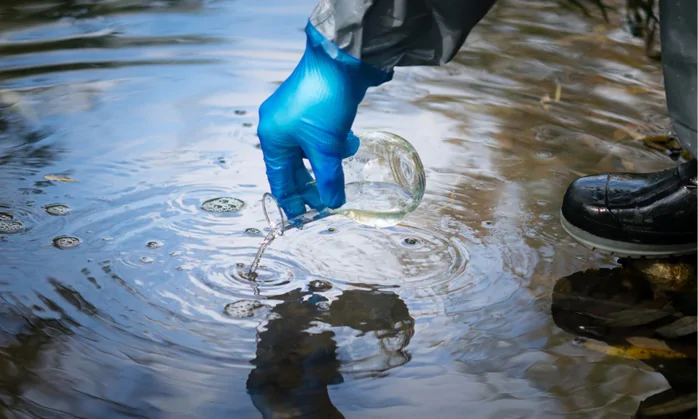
column 297, row 358
column 629, row 317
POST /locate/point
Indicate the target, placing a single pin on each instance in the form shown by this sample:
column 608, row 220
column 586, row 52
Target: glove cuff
column 370, row 75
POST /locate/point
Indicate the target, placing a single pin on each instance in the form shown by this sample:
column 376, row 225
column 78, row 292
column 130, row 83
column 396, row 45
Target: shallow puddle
column 135, row 115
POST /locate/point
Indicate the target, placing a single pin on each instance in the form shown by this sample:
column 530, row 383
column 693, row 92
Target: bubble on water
column 579, row 341
column 57, row 209
column 240, row 112
column 330, row 230
column 223, row 204
column 240, row 265
column 8, row 225
column 66, row 242
column 246, row 124
column 242, row 308
column 154, row 244
column 146, row 259
column 107, row 238
column 253, row 231
column 488, row 224
column 319, row 285
column 250, row 276
column 410, row 241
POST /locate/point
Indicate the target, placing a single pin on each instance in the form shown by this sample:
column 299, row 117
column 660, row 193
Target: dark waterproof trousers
column 678, row 36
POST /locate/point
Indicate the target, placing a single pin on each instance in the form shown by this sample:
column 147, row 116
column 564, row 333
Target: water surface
column 129, row 115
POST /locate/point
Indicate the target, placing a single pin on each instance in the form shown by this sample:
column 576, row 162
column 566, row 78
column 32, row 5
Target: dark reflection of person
column 620, row 307
column 294, row 364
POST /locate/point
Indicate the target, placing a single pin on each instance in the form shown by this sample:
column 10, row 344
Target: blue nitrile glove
column 310, row 116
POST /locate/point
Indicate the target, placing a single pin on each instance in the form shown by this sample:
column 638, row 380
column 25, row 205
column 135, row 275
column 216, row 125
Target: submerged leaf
column 59, row 178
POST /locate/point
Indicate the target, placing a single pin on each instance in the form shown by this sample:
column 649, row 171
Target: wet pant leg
column 678, row 37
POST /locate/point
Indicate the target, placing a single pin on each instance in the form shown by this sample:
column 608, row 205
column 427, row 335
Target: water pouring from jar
column 384, row 183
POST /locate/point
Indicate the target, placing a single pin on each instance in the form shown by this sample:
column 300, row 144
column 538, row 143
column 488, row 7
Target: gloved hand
column 310, row 116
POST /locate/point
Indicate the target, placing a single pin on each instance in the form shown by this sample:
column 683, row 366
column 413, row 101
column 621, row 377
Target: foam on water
column 66, row 242
column 223, row 204
column 57, row 209
column 8, row 225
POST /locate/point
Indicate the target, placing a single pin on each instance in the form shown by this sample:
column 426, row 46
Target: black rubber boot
column 649, row 215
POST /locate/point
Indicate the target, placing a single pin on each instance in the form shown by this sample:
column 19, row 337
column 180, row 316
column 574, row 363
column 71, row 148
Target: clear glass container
column 384, row 182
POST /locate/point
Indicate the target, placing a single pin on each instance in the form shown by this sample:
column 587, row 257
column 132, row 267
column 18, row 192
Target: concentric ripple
column 405, row 255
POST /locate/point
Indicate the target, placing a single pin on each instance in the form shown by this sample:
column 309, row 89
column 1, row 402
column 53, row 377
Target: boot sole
column 624, row 249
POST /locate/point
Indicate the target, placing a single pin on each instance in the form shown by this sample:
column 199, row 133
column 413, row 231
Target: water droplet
column 66, row 242
column 223, row 204
column 410, row 241
column 579, row 341
column 175, row 253
column 242, row 308
column 146, row 259
column 57, row 209
column 107, row 238
column 318, row 285
column 154, row 244
column 8, row 225
column 253, row 231
column 546, row 217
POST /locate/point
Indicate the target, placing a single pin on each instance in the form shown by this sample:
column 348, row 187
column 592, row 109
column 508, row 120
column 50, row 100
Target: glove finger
column 329, row 177
column 282, row 182
column 307, row 188
column 352, row 145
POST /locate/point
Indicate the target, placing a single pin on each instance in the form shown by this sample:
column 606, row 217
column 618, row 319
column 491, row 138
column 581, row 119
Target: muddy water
column 130, row 115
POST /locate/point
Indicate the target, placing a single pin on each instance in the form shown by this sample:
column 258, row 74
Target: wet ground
column 121, row 297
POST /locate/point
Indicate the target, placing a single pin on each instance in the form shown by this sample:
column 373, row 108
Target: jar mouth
column 270, row 206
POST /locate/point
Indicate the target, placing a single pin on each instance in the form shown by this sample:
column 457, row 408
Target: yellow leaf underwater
column 59, row 178
column 634, row 352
